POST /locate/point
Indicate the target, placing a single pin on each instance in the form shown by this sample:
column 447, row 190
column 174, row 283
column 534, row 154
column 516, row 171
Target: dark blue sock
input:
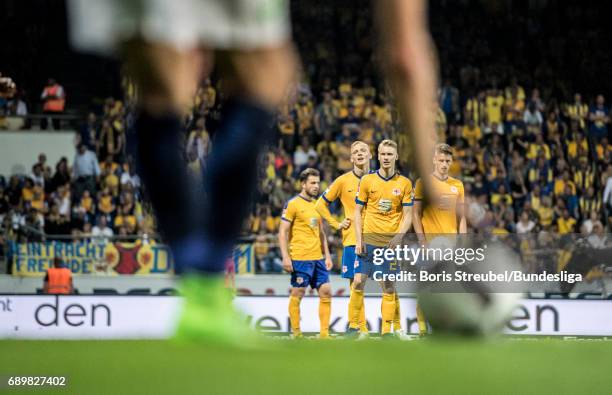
column 164, row 173
column 231, row 176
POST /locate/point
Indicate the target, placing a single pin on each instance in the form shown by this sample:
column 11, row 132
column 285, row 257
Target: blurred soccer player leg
column 259, row 79
column 324, row 310
column 411, row 67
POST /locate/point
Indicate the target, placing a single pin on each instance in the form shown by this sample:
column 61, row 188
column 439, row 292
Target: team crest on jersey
column 397, row 191
column 314, row 222
column 453, row 189
column 299, row 280
column 384, row 205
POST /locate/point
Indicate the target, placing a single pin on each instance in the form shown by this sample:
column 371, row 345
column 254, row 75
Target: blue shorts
column 367, row 264
column 348, row 262
column 307, row 273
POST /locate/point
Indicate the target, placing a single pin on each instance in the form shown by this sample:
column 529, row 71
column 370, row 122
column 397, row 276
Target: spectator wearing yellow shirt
column 603, row 150
column 515, row 89
column 127, row 219
column 494, row 107
column 27, row 192
column 577, row 111
column 304, row 111
column 38, row 198
column 561, row 182
column 577, row 144
column 589, row 202
column 545, row 212
column 471, row 132
column 566, row 223
column 286, row 128
column 475, row 109
column 538, row 148
column 105, row 203
column 501, row 196
column 584, row 174
column 514, row 107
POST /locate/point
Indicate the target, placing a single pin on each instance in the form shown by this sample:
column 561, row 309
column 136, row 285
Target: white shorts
column 100, row 25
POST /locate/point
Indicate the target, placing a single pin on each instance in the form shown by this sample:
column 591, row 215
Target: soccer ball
column 471, row 308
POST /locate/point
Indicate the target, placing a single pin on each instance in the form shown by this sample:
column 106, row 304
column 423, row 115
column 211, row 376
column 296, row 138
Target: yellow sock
column 324, row 314
column 363, row 324
column 388, row 312
column 355, row 305
column 294, row 315
column 421, row 320
column 397, row 325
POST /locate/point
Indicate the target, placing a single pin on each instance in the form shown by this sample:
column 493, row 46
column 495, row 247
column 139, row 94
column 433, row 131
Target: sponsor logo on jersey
column 384, row 205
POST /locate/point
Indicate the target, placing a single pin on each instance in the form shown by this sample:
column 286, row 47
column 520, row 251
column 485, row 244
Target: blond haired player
column 303, row 244
column 444, row 215
column 345, row 188
column 386, row 197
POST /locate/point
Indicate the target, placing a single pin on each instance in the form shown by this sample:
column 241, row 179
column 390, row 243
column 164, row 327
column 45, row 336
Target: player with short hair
column 386, row 197
column 345, row 188
column 444, row 215
column 305, row 252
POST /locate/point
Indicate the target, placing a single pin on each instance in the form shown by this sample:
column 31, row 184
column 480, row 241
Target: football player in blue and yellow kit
column 386, row 197
column 443, row 216
column 303, row 246
column 345, row 189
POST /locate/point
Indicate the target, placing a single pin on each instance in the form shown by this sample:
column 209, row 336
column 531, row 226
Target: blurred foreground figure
column 169, row 47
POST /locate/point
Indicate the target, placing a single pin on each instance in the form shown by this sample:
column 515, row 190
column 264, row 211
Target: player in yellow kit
column 303, row 245
column 445, row 215
column 345, row 188
column 386, row 197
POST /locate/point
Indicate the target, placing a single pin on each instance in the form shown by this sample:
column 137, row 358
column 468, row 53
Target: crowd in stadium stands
column 534, row 155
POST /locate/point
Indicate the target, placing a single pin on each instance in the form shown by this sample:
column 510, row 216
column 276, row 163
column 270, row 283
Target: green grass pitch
column 428, row 366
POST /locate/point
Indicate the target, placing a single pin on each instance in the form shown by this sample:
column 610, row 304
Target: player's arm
column 360, row 201
column 283, row 236
column 461, row 212
column 322, row 207
column 359, row 248
column 283, row 242
column 328, row 260
column 417, row 212
column 411, row 64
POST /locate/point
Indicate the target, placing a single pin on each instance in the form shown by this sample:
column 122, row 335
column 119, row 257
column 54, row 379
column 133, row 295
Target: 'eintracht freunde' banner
column 86, row 257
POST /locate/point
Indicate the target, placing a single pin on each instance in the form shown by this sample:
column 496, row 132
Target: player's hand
column 287, row 264
column 359, row 249
column 397, row 240
column 345, row 224
column 329, row 263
